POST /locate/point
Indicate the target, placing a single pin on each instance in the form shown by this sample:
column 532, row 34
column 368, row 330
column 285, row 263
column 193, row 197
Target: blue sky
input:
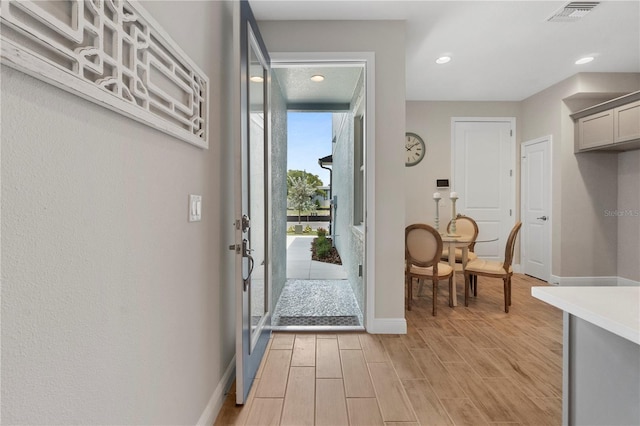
column 309, row 138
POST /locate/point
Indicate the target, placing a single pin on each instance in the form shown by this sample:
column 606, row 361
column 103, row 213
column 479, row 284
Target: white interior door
column 536, row 207
column 482, row 170
column 252, row 238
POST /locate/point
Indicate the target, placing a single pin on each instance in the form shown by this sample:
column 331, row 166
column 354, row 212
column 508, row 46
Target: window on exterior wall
column 358, row 170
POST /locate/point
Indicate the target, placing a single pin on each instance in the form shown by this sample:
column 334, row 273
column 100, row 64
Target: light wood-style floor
column 466, row 366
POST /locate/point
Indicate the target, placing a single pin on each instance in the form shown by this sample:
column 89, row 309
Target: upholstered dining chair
column 488, row 268
column 423, row 250
column 467, row 227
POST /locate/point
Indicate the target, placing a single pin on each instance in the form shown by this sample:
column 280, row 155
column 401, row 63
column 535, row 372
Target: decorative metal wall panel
column 113, row 53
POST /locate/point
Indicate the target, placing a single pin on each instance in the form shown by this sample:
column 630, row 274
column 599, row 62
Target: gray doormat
column 350, row 320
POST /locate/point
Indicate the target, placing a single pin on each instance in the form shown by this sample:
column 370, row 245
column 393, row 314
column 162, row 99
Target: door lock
column 542, row 218
column 246, row 223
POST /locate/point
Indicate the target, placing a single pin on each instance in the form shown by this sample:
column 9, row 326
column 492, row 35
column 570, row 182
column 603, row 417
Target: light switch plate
column 195, row 208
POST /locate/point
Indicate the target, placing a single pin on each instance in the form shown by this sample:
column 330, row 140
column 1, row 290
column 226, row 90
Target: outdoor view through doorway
column 317, row 292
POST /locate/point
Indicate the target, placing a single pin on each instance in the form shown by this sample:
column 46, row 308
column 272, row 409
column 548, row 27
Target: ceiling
column 500, row 50
column 334, row 93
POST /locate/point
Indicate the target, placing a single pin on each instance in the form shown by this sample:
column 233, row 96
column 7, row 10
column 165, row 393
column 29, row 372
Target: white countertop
column 616, row 309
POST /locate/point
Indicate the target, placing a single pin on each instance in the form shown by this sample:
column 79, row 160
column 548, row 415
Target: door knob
column 542, row 218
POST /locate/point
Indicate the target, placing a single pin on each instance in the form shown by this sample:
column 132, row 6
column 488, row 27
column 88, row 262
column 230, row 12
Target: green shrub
column 307, row 229
column 321, row 232
column 323, row 247
column 291, row 230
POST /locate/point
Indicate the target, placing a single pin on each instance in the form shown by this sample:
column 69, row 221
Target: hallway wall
column 629, row 215
column 584, row 184
column 116, row 309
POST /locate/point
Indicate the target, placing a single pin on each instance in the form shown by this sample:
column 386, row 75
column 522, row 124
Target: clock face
column 414, row 149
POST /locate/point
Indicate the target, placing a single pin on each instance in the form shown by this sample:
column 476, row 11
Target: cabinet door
column 626, row 122
column 596, row 130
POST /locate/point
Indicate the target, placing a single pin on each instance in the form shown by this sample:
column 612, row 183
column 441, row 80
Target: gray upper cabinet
column 610, row 126
column 626, row 122
column 595, row 130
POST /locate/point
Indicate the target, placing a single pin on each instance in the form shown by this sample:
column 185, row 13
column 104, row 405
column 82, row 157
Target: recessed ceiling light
column 317, row 78
column 256, row 78
column 443, row 59
column 584, row 60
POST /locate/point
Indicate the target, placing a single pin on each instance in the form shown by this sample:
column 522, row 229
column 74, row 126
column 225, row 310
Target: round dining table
column 462, row 242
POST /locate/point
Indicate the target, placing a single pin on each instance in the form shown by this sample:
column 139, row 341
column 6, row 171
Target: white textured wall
column 113, row 305
column 279, row 190
column 386, row 39
column 348, row 241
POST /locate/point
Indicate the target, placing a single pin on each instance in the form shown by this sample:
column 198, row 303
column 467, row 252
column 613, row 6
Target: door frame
column 549, row 191
column 293, row 59
column 513, row 162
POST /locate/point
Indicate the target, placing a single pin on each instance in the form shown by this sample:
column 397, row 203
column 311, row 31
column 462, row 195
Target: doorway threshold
column 316, row 328
column 317, row 304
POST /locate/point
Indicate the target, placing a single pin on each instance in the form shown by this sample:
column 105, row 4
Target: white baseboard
column 584, row 281
column 625, row 282
column 212, row 409
column 554, row 280
column 387, row 326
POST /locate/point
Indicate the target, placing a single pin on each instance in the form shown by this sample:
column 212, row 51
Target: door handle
column 542, row 218
column 246, row 252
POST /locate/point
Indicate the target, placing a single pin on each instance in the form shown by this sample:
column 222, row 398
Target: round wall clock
column 414, row 149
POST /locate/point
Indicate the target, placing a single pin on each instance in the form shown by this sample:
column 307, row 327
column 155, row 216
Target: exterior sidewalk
column 300, row 265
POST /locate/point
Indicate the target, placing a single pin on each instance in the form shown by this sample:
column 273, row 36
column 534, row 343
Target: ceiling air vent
column 573, row 11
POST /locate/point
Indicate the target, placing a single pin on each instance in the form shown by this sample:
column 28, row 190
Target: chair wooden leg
column 451, row 291
column 475, row 285
column 506, row 294
column 435, row 296
column 509, row 290
column 409, row 282
column 466, row 289
column 406, row 293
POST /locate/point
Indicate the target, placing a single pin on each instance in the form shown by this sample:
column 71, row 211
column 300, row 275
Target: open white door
column 536, row 207
column 252, row 203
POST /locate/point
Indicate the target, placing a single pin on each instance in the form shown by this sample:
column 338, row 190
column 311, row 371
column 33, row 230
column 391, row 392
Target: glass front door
column 253, row 205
